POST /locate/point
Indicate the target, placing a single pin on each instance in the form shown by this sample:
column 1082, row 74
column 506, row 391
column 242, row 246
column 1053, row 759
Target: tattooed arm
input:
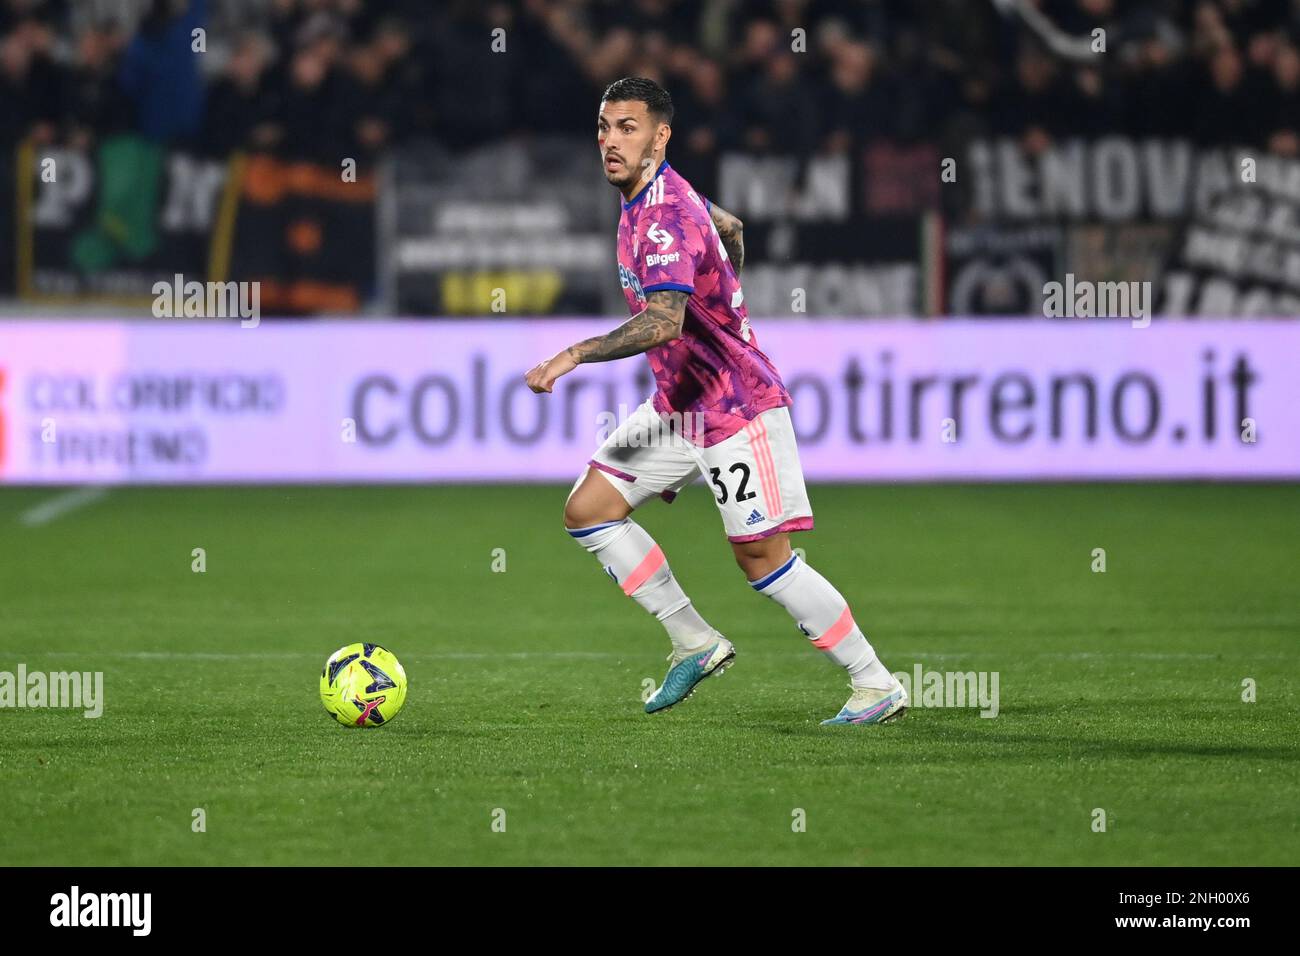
column 659, row 322
column 729, row 228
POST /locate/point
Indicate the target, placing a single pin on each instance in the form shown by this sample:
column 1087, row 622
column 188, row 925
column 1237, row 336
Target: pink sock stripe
column 651, row 563
column 838, row 631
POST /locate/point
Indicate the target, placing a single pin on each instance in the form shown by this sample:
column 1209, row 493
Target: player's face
column 628, row 137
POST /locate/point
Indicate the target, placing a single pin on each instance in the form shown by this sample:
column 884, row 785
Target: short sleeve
column 670, row 251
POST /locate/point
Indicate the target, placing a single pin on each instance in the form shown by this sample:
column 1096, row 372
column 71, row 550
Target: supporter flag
column 305, row 233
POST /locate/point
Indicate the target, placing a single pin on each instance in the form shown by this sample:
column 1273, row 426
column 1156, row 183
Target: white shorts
column 755, row 475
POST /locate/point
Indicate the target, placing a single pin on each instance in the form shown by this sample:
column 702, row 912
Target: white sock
column 631, row 557
column 824, row 617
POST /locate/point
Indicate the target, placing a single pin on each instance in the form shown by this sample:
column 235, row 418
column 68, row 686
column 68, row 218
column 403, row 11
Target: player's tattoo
column 659, row 322
column 729, row 228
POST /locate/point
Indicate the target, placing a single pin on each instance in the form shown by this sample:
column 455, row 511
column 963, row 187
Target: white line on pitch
column 903, row 657
column 61, row 504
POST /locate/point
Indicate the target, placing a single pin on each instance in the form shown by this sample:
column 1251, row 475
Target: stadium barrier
column 209, row 401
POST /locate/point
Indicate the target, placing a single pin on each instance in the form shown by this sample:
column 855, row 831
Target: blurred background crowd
column 320, row 78
column 1095, row 137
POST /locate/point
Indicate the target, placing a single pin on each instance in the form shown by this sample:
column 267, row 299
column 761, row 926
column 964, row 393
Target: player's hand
column 542, row 376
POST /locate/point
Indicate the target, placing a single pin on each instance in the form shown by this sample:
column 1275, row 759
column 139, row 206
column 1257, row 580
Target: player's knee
column 761, row 557
column 584, row 509
column 594, row 501
column 749, row 563
column 576, row 510
column 575, row 514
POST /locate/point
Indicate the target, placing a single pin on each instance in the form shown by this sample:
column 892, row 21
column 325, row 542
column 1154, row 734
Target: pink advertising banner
column 395, row 401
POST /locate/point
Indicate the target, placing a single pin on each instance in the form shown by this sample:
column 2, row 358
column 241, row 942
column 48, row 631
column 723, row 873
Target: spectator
column 1282, row 119
column 243, row 103
column 94, row 105
column 28, row 85
column 1225, row 112
column 313, row 109
column 160, row 72
column 858, row 106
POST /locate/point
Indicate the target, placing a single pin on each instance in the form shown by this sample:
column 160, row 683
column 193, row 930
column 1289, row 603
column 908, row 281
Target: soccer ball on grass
column 363, row 685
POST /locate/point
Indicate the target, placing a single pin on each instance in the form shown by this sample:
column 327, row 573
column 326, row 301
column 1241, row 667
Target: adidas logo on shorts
column 755, row 517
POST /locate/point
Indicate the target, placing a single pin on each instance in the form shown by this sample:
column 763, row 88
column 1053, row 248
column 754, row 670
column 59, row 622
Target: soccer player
column 723, row 408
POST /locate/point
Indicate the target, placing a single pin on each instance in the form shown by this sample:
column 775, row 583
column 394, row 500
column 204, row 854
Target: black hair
column 658, row 103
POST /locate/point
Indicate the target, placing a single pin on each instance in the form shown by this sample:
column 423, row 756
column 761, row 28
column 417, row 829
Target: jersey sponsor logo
column 662, row 259
column 660, row 236
column 630, row 281
column 755, row 517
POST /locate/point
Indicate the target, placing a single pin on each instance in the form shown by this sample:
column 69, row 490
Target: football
column 363, row 685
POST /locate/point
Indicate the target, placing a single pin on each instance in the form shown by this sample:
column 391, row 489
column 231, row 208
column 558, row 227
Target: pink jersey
column 714, row 373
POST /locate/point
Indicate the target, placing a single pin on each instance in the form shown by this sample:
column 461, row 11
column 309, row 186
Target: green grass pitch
column 1119, row 690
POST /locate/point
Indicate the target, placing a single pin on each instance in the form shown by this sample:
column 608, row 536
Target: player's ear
column 662, row 136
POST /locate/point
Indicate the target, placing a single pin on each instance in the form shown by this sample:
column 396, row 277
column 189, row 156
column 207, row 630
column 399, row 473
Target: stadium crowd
column 323, row 78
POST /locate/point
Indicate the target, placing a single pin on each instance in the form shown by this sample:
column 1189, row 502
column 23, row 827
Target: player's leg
column 758, row 483
column 823, row 616
column 624, row 474
column 819, row 610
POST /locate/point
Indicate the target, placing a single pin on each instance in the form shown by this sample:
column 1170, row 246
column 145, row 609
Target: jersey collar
column 637, row 198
